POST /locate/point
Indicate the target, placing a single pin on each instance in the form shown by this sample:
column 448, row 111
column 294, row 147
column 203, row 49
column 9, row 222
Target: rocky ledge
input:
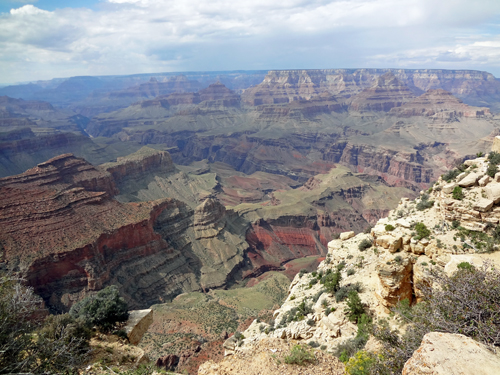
column 389, row 264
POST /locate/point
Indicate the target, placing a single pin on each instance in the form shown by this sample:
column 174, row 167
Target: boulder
column 469, row 180
column 346, row 235
column 497, row 177
column 450, row 354
column 483, row 205
column 485, row 180
column 492, row 192
column 137, row 324
column 448, row 188
column 403, row 223
column 389, row 242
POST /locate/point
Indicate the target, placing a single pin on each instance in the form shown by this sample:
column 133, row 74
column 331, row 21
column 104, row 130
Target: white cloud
column 131, row 36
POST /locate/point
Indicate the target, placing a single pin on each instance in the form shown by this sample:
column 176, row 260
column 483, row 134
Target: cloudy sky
column 43, row 39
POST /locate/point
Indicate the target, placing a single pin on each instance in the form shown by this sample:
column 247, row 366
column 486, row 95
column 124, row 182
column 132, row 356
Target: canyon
column 167, row 184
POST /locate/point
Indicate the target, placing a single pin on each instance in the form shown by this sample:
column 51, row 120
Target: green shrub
column 351, row 272
column 344, row 291
column 331, row 281
column 313, row 344
column 300, row 355
column 311, row 322
column 422, row 231
column 355, row 307
column 103, row 309
column 458, row 193
column 465, row 266
column 398, row 259
column 455, row 224
column 365, row 244
column 389, row 228
column 494, row 157
column 492, row 170
column 424, row 203
column 302, row 272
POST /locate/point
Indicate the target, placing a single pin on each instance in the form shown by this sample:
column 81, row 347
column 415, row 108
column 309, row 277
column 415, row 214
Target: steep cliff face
column 289, row 85
column 439, row 104
column 61, row 227
column 388, row 92
column 138, row 168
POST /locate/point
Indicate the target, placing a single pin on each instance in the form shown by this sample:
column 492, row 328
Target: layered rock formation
column 386, row 266
column 387, row 92
column 60, row 225
column 155, row 88
column 439, row 104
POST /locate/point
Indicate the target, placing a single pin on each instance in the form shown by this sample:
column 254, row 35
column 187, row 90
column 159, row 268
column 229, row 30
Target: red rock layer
column 61, row 227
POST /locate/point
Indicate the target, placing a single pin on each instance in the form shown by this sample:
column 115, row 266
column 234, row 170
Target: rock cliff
column 61, row 227
column 388, row 265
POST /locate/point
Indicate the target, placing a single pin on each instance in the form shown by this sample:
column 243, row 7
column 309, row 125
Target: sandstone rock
column 451, row 354
column 469, row 180
column 403, row 223
column 495, row 147
column 334, row 245
column 395, row 280
column 485, row 180
column 493, row 192
column 448, row 188
column 451, row 266
column 230, row 344
column 137, row 324
column 461, row 176
column 346, row 235
column 483, row 205
column 497, row 177
column 392, row 243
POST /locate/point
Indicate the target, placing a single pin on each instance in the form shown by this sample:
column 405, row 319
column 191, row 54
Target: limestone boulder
column 448, row 188
column 346, row 235
column 389, row 242
column 451, row 354
column 137, row 324
column 483, row 205
column 493, row 192
column 485, row 180
column 469, row 180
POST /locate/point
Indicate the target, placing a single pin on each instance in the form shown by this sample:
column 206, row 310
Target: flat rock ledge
column 451, row 354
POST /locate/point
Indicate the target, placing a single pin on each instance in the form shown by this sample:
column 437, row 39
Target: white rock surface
column 451, row 354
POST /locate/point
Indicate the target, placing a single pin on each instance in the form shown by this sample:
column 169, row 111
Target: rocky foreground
column 387, row 265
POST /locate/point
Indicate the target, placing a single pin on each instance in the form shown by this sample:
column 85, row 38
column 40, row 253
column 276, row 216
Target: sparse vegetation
column 31, row 344
column 389, row 228
column 300, row 355
column 457, row 193
column 365, row 244
column 104, row 309
column 421, row 231
column 464, row 303
column 424, row 203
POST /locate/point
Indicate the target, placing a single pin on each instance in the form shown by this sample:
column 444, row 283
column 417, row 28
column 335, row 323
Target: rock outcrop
column 137, row 324
column 387, row 93
column 60, row 225
column 450, row 354
column 439, row 104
